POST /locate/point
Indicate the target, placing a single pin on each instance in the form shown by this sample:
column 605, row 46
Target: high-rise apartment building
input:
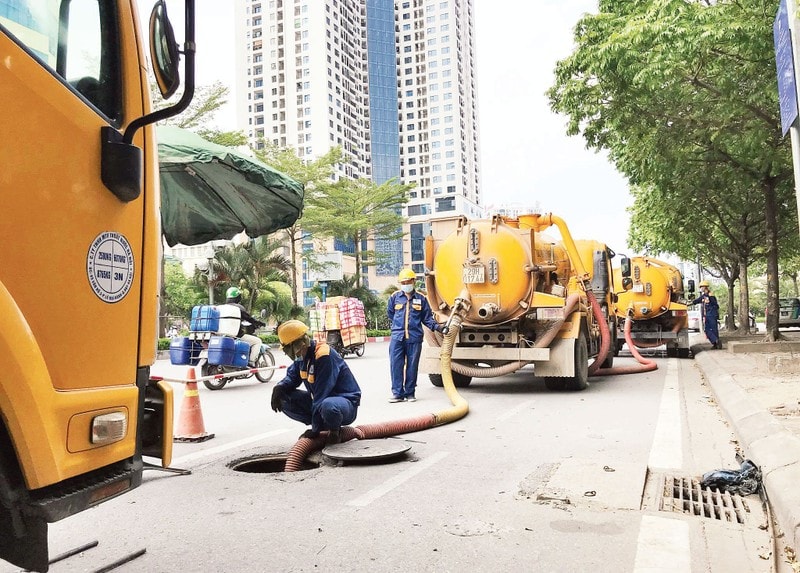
column 392, row 83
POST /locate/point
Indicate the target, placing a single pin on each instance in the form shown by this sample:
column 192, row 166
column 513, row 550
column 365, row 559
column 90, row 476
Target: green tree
column 181, row 293
column 359, row 210
column 196, row 117
column 683, row 96
column 315, row 176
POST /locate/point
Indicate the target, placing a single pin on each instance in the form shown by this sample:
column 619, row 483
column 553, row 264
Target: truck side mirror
column 625, row 267
column 164, row 51
column 691, row 287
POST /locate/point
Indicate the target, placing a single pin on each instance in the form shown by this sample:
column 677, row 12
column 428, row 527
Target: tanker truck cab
column 518, row 297
column 80, row 259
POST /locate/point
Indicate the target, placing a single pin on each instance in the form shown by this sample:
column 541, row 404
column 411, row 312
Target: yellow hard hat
column 406, row 275
column 290, row 331
column 703, row 284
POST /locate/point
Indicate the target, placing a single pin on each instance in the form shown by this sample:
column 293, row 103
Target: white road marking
column 667, row 449
column 663, row 546
column 224, row 447
column 515, row 411
column 397, row 480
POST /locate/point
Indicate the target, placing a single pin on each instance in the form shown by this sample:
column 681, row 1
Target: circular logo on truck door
column 109, row 266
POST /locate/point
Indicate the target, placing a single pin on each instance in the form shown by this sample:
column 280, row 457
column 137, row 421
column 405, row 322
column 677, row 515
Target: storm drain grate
column 684, row 495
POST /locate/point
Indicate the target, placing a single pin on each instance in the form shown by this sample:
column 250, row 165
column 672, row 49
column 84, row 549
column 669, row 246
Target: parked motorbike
column 334, row 340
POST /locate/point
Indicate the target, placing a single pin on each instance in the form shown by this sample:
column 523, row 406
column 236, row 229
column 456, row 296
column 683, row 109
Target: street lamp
column 210, row 271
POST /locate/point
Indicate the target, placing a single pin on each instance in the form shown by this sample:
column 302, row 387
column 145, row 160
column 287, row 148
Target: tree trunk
column 357, row 241
column 771, row 219
column 290, row 233
column 744, row 298
column 730, row 311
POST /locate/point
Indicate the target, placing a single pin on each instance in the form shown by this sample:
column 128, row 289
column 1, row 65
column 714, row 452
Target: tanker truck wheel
column 459, row 380
column 555, row 383
column 581, row 379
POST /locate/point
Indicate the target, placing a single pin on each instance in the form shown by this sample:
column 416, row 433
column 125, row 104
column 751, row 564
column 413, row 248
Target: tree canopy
column 683, row 96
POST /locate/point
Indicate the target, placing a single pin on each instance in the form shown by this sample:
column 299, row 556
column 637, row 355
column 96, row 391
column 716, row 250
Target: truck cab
column 79, row 263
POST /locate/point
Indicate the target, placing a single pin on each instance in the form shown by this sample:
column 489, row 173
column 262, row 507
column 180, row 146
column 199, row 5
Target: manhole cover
column 685, row 495
column 366, row 450
column 266, row 464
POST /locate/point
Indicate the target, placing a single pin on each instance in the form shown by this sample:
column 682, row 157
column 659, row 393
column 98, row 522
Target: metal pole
column 791, row 8
column 210, row 270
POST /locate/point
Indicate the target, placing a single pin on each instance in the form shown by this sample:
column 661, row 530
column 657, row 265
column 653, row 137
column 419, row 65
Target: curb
column 765, row 441
column 379, row 338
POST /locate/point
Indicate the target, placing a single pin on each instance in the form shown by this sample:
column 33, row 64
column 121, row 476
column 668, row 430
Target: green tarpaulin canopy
column 210, row 192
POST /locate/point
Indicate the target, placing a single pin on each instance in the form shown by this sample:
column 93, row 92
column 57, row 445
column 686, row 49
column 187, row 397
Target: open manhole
column 267, row 464
column 685, row 495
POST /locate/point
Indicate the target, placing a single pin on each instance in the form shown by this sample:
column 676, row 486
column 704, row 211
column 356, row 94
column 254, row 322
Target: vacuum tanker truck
column 650, row 291
column 518, row 298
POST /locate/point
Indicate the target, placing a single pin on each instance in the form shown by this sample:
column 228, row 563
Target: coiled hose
column 305, row 446
column 542, row 341
column 645, row 364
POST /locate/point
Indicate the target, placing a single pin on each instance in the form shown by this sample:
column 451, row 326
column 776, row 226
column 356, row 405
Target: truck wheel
column 209, row 370
column 459, row 380
column 581, row 379
column 672, row 351
column 683, row 352
column 555, row 383
column 265, row 358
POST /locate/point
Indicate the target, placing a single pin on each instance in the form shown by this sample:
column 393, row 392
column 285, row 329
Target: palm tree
column 267, row 264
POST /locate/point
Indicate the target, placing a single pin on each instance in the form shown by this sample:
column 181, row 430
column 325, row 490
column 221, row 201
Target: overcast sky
column 525, row 155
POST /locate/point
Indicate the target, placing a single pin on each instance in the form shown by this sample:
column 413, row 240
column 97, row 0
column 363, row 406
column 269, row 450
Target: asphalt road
column 529, row 480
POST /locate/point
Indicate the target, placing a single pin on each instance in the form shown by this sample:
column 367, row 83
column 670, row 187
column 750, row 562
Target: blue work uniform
column 333, row 395
column 407, row 313
column 710, row 317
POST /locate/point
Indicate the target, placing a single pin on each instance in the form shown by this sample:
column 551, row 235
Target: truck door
column 76, row 264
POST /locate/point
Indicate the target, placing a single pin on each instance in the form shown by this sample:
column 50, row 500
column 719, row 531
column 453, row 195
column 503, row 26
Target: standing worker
column 233, row 296
column 710, row 314
column 408, row 311
column 332, row 394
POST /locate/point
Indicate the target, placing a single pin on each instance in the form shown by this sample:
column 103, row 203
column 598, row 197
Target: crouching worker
column 332, row 394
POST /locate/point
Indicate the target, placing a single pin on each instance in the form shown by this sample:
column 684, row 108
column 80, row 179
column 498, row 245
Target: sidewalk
column 757, row 386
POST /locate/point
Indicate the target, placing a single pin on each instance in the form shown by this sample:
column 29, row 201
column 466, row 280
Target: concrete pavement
column 757, row 386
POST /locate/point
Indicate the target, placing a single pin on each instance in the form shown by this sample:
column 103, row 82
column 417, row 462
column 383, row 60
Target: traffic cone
column 190, row 421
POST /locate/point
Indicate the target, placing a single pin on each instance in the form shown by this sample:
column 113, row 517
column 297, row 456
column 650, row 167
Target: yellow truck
column 80, row 255
column 520, row 298
column 651, row 292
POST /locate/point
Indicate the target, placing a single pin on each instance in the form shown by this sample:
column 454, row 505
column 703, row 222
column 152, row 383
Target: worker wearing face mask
column 408, row 310
column 331, row 396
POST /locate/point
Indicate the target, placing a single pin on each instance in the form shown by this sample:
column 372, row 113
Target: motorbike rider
column 247, row 324
column 332, row 395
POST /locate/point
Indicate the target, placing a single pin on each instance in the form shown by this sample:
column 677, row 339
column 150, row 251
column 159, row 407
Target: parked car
column 695, row 320
column 789, row 314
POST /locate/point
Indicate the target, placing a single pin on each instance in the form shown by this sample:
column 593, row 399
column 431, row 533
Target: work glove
column 442, row 327
column 277, row 395
column 310, row 434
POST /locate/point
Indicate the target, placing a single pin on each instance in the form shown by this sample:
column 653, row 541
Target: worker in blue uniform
column 408, row 310
column 331, row 396
column 710, row 314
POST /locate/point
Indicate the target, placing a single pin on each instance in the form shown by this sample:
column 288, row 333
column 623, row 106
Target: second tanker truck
column 518, row 298
column 651, row 292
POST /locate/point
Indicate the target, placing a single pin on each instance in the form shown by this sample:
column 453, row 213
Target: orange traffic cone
column 190, row 421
